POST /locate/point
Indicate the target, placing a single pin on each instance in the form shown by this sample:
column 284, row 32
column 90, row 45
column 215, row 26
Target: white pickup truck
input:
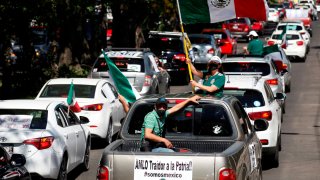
column 218, row 140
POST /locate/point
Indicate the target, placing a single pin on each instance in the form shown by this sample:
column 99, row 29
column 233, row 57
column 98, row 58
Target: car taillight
column 270, row 43
column 224, row 26
column 181, row 57
column 284, row 66
column 211, row 51
column 92, row 107
column 302, row 33
column 147, row 80
column 227, row 174
column 246, row 28
column 272, row 81
column 264, row 141
column 299, row 43
column 103, row 173
column 40, row 143
column 260, row 115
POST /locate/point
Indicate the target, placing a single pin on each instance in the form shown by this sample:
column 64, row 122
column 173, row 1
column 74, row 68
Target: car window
column 154, row 65
column 269, row 93
column 61, row 121
column 243, row 118
column 199, row 120
column 218, row 35
column 23, row 119
column 113, row 90
column 263, row 68
column 158, row 44
column 4, row 158
column 61, row 90
column 292, row 36
column 249, row 98
column 71, row 118
column 124, row 64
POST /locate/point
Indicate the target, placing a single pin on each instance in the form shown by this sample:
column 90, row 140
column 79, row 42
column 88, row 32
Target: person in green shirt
column 152, row 131
column 255, row 46
column 213, row 79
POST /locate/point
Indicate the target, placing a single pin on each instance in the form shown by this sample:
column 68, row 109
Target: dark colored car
column 12, row 167
column 168, row 46
column 239, row 27
column 223, row 37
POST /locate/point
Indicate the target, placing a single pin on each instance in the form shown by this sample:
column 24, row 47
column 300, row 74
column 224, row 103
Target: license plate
column 235, row 27
column 9, row 149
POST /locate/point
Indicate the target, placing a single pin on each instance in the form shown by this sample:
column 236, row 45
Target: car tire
column 63, row 175
column 85, row 164
column 109, row 133
column 280, row 144
column 275, row 158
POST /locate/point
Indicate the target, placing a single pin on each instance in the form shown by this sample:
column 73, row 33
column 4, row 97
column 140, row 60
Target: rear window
column 123, row 64
column 61, row 90
column 288, row 36
column 23, row 119
column 157, row 44
column 217, row 35
column 200, row 120
column 199, row 40
column 249, row 98
column 290, row 27
column 263, row 68
column 240, row 20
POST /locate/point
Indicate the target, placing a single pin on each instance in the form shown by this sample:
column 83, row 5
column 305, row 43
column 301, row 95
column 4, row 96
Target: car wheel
column 109, row 134
column 85, row 164
column 63, row 175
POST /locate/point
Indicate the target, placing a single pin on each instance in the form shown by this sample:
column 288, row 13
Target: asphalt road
column 300, row 155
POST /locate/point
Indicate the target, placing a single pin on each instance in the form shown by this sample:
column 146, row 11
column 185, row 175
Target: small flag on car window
column 72, row 103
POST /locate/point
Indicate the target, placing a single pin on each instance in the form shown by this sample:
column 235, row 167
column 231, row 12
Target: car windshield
column 246, row 67
column 23, row 119
column 249, row 98
column 193, row 120
column 61, row 90
column 124, row 64
column 158, row 44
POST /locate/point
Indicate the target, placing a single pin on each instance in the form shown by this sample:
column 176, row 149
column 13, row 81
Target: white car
column 296, row 46
column 273, row 15
column 283, row 66
column 98, row 100
column 295, row 26
column 258, row 101
column 53, row 140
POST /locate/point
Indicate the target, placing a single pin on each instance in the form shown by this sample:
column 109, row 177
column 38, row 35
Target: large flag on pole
column 120, row 81
column 212, row 11
column 71, row 100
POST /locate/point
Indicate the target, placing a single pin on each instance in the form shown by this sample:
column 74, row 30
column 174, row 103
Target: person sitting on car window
column 152, row 131
column 213, row 79
column 255, row 46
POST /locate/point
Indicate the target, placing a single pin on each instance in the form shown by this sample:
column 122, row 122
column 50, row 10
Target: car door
column 68, row 134
column 81, row 137
column 77, row 134
column 274, row 105
column 113, row 103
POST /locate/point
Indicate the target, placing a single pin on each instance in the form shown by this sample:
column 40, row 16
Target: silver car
column 139, row 66
column 203, row 48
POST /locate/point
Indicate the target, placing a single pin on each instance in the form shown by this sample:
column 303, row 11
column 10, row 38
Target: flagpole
column 185, row 45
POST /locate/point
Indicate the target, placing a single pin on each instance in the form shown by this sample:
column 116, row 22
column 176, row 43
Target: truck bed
column 195, row 146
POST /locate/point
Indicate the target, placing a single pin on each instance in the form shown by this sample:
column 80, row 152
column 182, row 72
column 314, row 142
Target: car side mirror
column 260, row 125
column 83, row 120
column 284, row 71
column 280, row 96
column 17, row 160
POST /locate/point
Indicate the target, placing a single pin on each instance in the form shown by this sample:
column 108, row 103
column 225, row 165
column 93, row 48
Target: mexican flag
column 212, row 11
column 120, row 81
column 72, row 103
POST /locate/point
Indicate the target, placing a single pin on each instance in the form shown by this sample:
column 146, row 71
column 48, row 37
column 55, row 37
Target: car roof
column 27, row 104
column 123, row 53
column 86, row 81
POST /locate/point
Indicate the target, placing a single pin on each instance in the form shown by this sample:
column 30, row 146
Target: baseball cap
column 253, row 33
column 215, row 59
column 162, row 100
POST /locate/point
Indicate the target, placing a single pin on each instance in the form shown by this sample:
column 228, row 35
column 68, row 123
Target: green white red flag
column 71, row 100
column 212, row 11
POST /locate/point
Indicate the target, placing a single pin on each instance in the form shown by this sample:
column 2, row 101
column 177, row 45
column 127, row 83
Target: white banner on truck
column 162, row 168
